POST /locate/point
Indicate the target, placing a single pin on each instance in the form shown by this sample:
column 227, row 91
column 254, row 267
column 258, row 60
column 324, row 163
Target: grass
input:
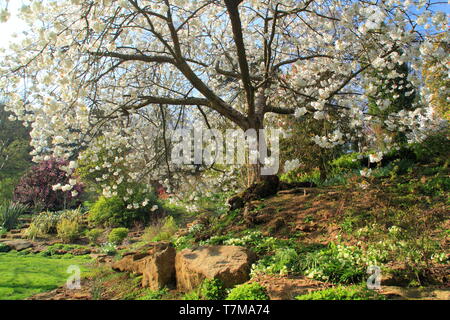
column 22, row 276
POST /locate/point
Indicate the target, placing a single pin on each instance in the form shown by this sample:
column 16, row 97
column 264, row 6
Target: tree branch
column 233, row 13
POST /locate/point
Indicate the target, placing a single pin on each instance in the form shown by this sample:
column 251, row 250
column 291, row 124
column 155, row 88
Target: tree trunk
column 255, row 174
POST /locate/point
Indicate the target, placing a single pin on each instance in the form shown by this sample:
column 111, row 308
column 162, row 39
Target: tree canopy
column 130, row 71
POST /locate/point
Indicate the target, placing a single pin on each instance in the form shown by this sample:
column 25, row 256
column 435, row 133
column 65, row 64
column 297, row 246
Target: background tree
column 15, row 151
column 437, row 82
column 390, row 92
column 14, row 145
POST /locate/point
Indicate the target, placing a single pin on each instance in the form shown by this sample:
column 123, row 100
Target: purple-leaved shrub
column 36, row 187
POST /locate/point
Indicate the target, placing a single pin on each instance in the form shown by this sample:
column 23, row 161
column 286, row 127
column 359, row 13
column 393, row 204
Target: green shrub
column 248, row 291
column 93, row 235
column 154, row 294
column 257, row 242
column 435, row 148
column 9, row 214
column 192, row 295
column 435, row 186
column 46, row 222
column 337, row 263
column 164, row 229
column 347, row 162
column 117, row 235
column 68, row 230
column 212, row 289
column 284, row 261
column 108, row 248
column 184, row 242
column 343, row 293
column 114, row 212
column 59, row 249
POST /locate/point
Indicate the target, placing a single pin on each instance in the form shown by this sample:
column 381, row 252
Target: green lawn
column 22, row 276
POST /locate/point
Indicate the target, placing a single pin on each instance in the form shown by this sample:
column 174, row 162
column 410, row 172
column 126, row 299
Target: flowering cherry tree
column 119, row 69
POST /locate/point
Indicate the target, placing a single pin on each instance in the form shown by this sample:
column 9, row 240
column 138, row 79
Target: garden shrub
column 337, row 263
column 284, row 261
column 184, row 242
column 115, row 212
column 9, row 214
column 46, row 222
column 93, row 235
column 154, row 294
column 212, row 289
column 117, row 235
column 434, row 148
column 68, row 230
column 343, row 293
column 59, row 249
column 248, row 291
column 347, row 162
column 36, row 187
column 164, row 229
column 191, row 295
column 108, row 248
column 257, row 242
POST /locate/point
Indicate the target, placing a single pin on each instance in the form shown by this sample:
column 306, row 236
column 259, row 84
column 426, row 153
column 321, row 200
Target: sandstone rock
column 156, row 264
column 159, row 268
column 231, row 264
column 81, row 251
column 100, row 257
column 18, row 245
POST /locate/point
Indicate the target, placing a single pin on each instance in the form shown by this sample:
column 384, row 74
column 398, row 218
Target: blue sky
column 15, row 25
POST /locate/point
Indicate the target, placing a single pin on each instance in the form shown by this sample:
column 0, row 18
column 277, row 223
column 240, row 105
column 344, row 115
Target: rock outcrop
column 156, row 263
column 18, row 245
column 230, row 264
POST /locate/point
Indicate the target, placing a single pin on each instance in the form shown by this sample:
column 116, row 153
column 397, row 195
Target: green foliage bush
column 436, row 147
column 192, row 295
column 10, row 213
column 248, row 291
column 60, row 249
column 283, row 262
column 114, row 211
column 108, row 211
column 68, row 230
column 108, row 248
column 212, row 289
column 46, row 222
column 338, row 264
column 184, row 242
column 163, row 229
column 347, row 162
column 254, row 240
column 93, row 235
column 154, row 294
column 117, row 235
column 343, row 293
